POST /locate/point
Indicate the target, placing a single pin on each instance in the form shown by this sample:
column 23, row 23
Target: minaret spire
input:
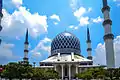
column 89, row 49
column 26, row 44
column 26, row 37
column 104, row 3
column 108, row 36
column 1, row 15
column 88, row 35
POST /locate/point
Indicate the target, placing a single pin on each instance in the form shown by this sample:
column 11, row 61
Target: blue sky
column 47, row 18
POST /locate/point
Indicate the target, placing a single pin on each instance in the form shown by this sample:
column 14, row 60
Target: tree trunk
column 10, row 78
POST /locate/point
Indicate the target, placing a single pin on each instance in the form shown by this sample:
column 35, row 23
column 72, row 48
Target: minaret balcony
column 108, row 21
column 89, row 49
column 108, row 36
column 105, row 8
column 26, row 51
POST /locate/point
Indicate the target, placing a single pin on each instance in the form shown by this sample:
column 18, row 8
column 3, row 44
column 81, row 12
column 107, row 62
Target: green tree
column 10, row 71
column 16, row 70
column 42, row 74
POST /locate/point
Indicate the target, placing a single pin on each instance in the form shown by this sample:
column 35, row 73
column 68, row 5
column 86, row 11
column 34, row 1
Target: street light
column 34, row 64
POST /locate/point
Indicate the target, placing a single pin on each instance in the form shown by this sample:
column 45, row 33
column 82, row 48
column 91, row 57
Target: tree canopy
column 17, row 70
column 100, row 73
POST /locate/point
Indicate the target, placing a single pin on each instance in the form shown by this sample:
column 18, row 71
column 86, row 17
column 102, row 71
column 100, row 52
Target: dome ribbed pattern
column 65, row 42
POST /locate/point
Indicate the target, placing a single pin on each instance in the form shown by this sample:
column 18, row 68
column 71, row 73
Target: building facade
column 66, row 57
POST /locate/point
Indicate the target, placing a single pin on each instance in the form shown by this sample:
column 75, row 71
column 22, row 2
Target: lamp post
column 34, row 64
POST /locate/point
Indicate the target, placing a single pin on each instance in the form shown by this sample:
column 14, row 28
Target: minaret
column 26, row 44
column 89, row 49
column 1, row 15
column 108, row 36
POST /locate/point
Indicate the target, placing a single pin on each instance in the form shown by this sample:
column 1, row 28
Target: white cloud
column 56, row 23
column 74, row 4
column 17, row 38
column 6, row 53
column 76, row 28
column 21, row 19
column 73, row 27
column 79, row 14
column 17, row 3
column 97, row 20
column 36, row 54
column 117, row 2
column 100, row 57
column 42, row 45
column 55, row 17
column 12, row 4
column 89, row 9
column 84, row 21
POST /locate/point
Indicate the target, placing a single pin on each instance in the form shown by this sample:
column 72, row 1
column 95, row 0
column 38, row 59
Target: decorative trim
column 58, row 59
column 65, row 50
column 89, row 57
column 108, row 21
column 105, row 8
column 64, row 53
column 25, row 58
column 88, row 41
column 108, row 36
column 26, row 43
column 26, row 51
column 89, row 49
column 72, row 59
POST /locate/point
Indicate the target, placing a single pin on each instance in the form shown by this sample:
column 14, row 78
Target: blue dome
column 65, row 42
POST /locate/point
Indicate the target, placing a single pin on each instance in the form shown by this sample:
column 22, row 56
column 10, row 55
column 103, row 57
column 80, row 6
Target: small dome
column 65, row 42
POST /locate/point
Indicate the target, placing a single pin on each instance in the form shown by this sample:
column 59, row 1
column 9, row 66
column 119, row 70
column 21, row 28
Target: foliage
column 43, row 74
column 17, row 70
column 100, row 73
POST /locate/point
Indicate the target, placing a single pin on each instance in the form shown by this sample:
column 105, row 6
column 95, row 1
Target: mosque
column 66, row 57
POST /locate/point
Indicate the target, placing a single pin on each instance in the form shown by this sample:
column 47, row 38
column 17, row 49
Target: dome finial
column 65, row 30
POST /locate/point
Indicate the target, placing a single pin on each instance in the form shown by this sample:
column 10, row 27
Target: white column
column 55, row 67
column 69, row 71
column 76, row 69
column 80, row 70
column 72, row 56
column 62, row 71
column 58, row 57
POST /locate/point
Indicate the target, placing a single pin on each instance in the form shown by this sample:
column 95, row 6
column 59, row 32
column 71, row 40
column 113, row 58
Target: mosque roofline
column 81, row 66
column 57, row 62
column 65, row 58
column 66, row 54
